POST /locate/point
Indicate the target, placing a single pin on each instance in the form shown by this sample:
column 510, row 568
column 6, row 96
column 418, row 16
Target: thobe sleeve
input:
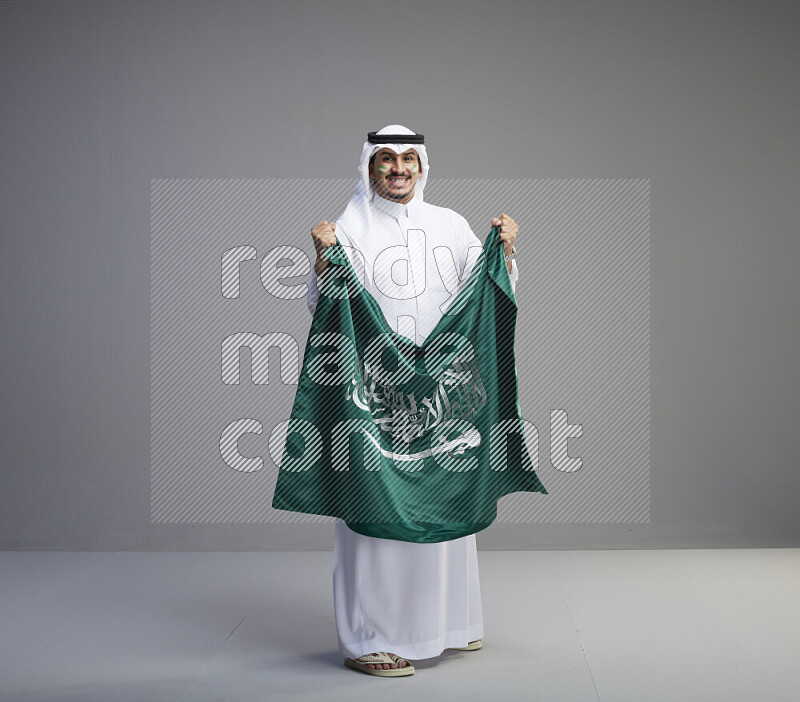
column 312, row 296
column 313, row 291
column 471, row 248
column 513, row 275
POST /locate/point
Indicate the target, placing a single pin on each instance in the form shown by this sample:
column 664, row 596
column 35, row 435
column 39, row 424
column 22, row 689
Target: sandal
column 471, row 646
column 362, row 663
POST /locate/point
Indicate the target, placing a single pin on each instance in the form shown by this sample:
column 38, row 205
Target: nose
column 398, row 165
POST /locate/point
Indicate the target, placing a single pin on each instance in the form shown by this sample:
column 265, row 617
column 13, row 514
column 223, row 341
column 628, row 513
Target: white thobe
column 414, row 600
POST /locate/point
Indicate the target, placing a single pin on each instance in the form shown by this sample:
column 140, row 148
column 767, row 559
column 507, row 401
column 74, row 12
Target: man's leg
column 349, row 563
column 413, row 600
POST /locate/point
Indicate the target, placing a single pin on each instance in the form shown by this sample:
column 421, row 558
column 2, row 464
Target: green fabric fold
column 407, row 442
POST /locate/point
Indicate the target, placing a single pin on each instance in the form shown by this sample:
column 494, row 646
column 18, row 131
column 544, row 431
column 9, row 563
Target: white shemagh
column 436, row 244
column 357, row 216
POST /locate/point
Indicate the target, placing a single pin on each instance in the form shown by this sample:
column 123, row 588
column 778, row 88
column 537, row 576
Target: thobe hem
column 414, row 651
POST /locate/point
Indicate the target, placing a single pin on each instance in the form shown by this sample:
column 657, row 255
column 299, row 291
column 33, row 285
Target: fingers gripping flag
column 407, row 442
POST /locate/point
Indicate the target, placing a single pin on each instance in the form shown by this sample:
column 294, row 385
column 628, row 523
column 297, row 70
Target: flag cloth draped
column 407, row 442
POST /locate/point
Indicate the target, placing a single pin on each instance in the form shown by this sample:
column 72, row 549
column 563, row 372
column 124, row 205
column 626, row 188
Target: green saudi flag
column 407, row 442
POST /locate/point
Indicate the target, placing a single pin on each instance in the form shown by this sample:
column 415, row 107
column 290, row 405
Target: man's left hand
column 508, row 231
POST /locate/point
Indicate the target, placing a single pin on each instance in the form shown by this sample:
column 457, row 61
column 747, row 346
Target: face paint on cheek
column 415, row 169
column 383, row 170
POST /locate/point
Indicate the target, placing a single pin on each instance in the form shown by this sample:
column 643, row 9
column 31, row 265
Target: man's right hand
column 324, row 235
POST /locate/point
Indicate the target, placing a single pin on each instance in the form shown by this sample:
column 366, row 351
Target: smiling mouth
column 398, row 180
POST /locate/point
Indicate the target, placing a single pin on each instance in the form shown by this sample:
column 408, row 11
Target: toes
column 399, row 663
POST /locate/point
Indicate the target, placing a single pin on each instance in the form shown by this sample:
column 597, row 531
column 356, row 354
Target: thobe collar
column 396, row 209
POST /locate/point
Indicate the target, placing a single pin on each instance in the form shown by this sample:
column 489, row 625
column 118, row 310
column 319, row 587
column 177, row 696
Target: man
column 397, row 600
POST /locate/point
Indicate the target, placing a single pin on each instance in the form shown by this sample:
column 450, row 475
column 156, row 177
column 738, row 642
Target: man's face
column 395, row 174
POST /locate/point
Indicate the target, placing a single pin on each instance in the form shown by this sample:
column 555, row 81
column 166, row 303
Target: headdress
column 357, row 216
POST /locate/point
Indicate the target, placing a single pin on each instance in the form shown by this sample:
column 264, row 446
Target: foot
column 471, row 646
column 401, row 663
column 382, row 664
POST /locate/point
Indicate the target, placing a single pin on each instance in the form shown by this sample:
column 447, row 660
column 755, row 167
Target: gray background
column 99, row 98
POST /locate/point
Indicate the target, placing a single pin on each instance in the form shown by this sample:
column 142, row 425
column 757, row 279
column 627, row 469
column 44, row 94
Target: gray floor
column 575, row 625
